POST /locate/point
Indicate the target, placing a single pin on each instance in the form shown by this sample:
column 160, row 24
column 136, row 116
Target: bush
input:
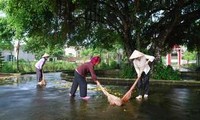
column 112, row 65
column 25, row 67
column 9, row 67
column 162, row 72
column 127, row 71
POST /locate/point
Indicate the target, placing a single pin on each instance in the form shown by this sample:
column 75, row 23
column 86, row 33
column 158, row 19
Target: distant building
column 12, row 55
column 175, row 55
column 71, row 51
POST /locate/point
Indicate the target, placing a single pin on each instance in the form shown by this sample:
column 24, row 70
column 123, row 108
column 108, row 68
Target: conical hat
column 45, row 55
column 136, row 54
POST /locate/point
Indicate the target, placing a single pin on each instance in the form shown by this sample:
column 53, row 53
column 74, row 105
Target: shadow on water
column 20, row 99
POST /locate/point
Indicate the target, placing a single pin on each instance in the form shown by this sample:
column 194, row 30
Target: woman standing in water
column 80, row 77
column 39, row 69
column 140, row 61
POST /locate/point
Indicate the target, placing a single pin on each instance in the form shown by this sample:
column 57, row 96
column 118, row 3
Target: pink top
column 40, row 63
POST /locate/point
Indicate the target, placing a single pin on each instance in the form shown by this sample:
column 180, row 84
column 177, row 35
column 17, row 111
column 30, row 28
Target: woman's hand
column 97, row 82
column 147, row 62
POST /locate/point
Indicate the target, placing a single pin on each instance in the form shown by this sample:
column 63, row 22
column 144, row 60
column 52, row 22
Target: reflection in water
column 40, row 101
column 183, row 102
column 22, row 100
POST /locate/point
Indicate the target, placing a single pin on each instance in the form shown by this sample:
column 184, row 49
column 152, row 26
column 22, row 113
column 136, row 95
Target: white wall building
column 71, row 51
column 12, row 55
column 9, row 55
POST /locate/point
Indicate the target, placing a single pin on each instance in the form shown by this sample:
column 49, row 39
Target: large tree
column 175, row 22
column 132, row 23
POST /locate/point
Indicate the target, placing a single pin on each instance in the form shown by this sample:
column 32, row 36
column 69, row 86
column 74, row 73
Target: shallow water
column 20, row 99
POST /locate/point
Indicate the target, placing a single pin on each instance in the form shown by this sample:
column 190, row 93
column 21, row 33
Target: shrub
column 159, row 72
column 162, row 72
column 127, row 71
column 9, row 67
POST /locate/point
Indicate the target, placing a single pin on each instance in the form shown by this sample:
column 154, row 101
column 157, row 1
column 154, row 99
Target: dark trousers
column 39, row 74
column 81, row 82
column 143, row 84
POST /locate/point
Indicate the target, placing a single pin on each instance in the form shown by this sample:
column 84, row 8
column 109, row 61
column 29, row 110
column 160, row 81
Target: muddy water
column 20, row 99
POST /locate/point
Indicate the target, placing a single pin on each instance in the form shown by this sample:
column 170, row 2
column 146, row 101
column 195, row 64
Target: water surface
column 20, row 99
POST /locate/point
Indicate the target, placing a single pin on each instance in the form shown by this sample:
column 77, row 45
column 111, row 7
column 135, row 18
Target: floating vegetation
column 197, row 91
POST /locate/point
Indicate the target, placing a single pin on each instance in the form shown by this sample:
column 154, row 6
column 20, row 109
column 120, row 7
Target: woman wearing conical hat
column 39, row 68
column 140, row 61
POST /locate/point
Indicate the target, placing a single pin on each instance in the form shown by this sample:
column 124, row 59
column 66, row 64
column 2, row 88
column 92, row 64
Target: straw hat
column 136, row 54
column 45, row 55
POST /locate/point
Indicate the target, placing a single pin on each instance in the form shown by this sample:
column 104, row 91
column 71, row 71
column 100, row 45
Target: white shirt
column 40, row 63
column 142, row 65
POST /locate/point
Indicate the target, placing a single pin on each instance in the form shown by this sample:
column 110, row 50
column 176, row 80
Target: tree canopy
column 5, row 36
column 134, row 24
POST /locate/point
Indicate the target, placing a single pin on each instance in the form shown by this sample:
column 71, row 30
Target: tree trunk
column 198, row 58
column 17, row 54
column 129, row 45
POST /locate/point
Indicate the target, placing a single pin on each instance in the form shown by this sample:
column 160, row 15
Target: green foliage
column 25, row 67
column 127, row 71
column 89, row 52
column 43, row 46
column 32, row 22
column 189, row 55
column 46, row 23
column 162, row 72
column 9, row 67
column 106, row 66
column 191, row 66
column 97, row 37
column 6, row 35
column 59, row 65
column 113, row 64
column 103, row 65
